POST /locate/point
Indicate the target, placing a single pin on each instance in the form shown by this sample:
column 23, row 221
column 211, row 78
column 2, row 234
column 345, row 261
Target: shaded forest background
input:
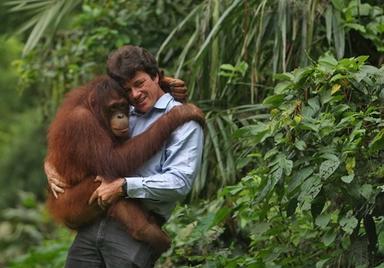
column 293, row 92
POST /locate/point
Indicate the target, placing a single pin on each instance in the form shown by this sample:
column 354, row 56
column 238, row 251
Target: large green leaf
column 327, row 168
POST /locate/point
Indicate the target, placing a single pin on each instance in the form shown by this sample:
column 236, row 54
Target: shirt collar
column 160, row 104
column 163, row 101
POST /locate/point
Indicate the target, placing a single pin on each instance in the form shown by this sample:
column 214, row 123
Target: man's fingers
column 101, row 203
column 93, row 197
column 56, row 188
column 52, row 175
column 61, row 184
column 99, row 178
column 53, row 192
column 49, row 170
column 58, row 182
column 109, row 201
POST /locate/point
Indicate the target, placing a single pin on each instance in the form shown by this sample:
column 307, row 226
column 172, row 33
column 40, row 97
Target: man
column 165, row 179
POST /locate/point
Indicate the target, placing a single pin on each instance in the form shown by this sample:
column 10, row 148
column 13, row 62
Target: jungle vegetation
column 293, row 92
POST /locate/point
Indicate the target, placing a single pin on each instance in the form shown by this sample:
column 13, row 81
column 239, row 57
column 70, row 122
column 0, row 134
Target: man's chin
column 142, row 107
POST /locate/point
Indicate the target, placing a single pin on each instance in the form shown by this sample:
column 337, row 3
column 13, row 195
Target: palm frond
column 44, row 15
column 217, row 26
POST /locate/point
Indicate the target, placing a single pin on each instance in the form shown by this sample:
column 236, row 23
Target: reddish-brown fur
column 82, row 146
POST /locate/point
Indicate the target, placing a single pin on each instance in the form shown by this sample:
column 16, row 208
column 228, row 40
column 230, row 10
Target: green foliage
column 308, row 149
column 364, row 18
column 235, row 48
column 321, row 148
column 49, row 253
column 27, row 226
column 9, row 51
column 22, row 150
column 229, row 51
column 44, row 15
column 79, row 51
column 316, row 177
column 21, row 123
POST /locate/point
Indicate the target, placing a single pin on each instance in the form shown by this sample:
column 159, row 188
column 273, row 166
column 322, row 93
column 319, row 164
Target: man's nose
column 135, row 93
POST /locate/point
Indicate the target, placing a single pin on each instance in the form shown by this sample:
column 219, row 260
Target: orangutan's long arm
column 139, row 149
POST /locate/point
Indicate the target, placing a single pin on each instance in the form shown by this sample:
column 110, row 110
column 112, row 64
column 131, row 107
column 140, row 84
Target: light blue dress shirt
column 168, row 176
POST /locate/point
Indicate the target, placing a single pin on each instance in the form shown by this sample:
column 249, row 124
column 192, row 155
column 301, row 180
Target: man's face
column 143, row 91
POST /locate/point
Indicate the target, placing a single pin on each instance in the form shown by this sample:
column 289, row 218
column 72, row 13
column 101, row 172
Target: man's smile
column 141, row 100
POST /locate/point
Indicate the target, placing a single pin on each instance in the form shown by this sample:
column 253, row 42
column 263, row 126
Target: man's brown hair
column 123, row 63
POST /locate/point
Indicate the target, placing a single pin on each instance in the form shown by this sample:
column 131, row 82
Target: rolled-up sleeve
column 181, row 161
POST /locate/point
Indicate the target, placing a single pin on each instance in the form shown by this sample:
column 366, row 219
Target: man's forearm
column 162, row 187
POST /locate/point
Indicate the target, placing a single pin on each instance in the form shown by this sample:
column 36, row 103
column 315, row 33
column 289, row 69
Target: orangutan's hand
column 176, row 87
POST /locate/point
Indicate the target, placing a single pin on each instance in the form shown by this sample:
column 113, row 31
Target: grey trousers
column 105, row 244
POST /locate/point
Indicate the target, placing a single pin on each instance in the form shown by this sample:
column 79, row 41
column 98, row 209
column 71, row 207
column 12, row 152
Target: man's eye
column 139, row 83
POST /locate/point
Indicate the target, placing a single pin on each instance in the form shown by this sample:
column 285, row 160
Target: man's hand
column 108, row 192
column 176, row 87
column 55, row 182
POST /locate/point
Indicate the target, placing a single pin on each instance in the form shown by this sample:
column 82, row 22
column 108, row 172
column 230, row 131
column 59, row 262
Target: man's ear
column 156, row 79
